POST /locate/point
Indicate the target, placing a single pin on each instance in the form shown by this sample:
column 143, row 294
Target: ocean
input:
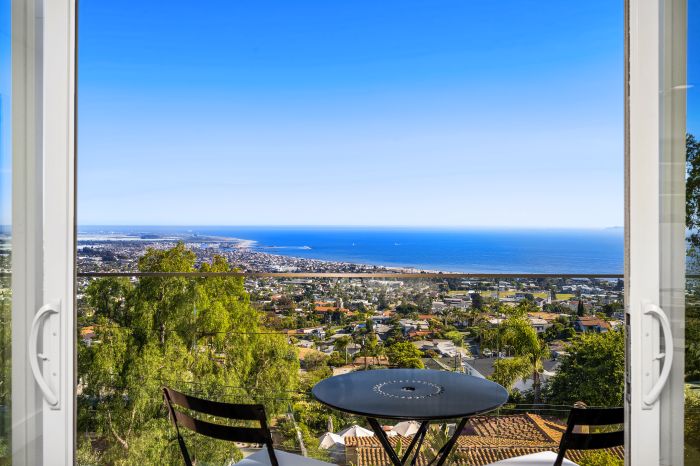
column 463, row 250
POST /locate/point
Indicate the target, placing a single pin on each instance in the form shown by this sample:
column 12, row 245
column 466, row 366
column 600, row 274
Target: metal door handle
column 43, row 312
column 653, row 394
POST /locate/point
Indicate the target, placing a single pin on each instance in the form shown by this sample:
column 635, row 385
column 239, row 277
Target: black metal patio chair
column 240, row 412
column 594, row 417
column 593, row 439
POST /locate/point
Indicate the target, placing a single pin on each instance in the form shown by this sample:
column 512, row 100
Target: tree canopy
column 593, row 372
column 405, row 354
column 692, row 189
column 197, row 335
column 529, row 352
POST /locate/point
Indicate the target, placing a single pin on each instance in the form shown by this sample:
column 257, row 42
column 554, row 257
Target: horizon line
column 499, row 227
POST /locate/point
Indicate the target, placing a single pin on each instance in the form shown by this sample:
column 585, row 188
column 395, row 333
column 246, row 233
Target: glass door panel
column 656, row 230
column 36, row 384
column 672, row 227
column 297, row 139
column 691, row 418
column 5, row 225
column 679, row 238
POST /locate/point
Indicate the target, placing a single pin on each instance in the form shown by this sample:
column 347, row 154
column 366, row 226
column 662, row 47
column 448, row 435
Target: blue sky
column 426, row 113
column 411, row 113
column 351, row 113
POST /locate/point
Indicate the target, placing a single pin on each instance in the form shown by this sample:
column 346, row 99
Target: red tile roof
column 592, row 321
column 485, row 440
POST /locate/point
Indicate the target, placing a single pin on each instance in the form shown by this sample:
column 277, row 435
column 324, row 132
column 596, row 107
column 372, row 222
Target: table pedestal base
column 416, row 443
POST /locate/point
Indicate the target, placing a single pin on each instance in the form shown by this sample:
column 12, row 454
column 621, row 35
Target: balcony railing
column 268, row 337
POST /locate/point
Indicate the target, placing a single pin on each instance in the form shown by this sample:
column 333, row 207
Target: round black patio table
column 411, row 394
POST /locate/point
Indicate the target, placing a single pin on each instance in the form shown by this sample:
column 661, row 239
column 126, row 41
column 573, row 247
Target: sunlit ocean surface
column 445, row 249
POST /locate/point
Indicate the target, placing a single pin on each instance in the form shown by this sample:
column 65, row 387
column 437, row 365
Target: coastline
column 376, row 250
column 241, row 253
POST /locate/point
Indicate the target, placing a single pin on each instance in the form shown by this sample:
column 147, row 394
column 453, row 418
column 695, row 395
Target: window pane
column 692, row 302
column 5, row 227
column 413, row 138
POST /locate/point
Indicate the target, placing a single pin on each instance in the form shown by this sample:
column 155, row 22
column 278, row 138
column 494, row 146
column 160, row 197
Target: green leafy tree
column 600, row 458
column 336, row 359
column 593, row 372
column 382, row 301
column 371, row 346
column 456, row 337
column 692, row 426
column 315, row 360
column 407, row 309
column 341, row 346
column 553, row 332
column 5, row 365
column 198, row 335
column 561, row 329
column 404, row 354
column 490, row 338
column 692, row 189
column 611, row 308
column 557, row 308
column 520, row 310
column 294, row 433
column 692, row 327
column 529, row 353
column 692, row 335
column 317, row 417
column 477, row 301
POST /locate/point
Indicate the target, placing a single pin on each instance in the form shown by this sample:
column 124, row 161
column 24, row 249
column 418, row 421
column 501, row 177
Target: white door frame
column 43, row 237
column 641, row 223
column 654, row 228
column 43, row 221
column 59, row 215
column 26, row 220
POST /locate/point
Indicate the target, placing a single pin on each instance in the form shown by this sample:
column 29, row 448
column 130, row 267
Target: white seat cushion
column 262, row 458
column 543, row 458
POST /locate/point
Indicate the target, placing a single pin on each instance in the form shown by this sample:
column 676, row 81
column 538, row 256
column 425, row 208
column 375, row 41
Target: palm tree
column 341, row 345
column 480, row 324
column 529, row 352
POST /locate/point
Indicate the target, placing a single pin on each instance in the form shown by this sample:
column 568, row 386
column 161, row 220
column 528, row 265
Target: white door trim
column 655, row 228
column 27, row 261
column 43, row 109
column 642, row 221
column 59, row 216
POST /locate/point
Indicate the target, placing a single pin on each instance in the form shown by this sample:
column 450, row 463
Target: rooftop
column 486, row 439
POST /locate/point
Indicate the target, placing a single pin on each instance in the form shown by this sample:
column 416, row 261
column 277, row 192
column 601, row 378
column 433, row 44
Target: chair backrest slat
column 174, row 399
column 596, row 416
column 595, row 440
column 217, row 431
column 251, row 412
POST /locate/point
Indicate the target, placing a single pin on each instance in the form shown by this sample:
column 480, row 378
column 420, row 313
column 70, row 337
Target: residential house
column 540, row 325
column 410, row 324
column 595, row 324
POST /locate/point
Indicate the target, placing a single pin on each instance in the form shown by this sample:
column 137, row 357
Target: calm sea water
column 450, row 250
